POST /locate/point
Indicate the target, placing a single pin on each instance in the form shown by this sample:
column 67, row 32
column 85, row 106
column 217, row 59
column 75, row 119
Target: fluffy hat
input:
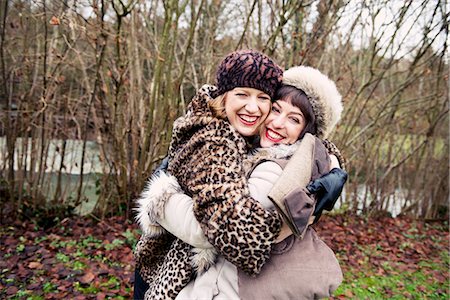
column 248, row 68
column 325, row 99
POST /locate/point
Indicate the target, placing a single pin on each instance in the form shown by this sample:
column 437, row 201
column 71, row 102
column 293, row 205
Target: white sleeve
column 180, row 221
column 334, row 162
column 262, row 180
column 179, row 217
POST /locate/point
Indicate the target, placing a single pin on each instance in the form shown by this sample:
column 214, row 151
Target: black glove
column 327, row 188
column 163, row 166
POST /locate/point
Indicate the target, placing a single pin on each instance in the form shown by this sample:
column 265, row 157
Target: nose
column 252, row 105
column 278, row 121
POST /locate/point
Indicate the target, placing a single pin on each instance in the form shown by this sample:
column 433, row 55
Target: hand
column 327, row 188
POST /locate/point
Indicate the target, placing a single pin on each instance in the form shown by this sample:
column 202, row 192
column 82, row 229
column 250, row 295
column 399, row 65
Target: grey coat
column 301, row 267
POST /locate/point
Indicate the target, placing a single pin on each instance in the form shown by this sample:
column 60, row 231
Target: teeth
column 249, row 119
column 274, row 135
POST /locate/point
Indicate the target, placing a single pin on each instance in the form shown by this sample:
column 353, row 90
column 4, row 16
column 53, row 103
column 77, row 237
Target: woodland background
column 89, row 90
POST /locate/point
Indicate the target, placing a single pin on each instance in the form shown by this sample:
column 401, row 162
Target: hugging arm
column 221, row 214
column 179, row 219
column 327, row 188
column 237, row 225
column 291, row 194
column 177, row 216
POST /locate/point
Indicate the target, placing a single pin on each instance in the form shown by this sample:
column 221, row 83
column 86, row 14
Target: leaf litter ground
column 81, row 258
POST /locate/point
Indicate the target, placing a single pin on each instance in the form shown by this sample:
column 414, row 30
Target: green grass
column 116, row 243
column 406, row 285
column 76, row 256
column 90, row 289
column 391, row 283
column 373, row 269
column 49, row 287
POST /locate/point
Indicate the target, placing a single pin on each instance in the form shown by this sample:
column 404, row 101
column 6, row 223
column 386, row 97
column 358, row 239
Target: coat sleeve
column 261, row 181
column 178, row 217
column 163, row 205
column 238, row 226
column 308, row 162
column 180, row 221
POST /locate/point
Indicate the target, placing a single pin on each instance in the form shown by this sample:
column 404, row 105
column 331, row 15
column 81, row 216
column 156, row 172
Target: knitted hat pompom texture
column 322, row 93
column 248, row 68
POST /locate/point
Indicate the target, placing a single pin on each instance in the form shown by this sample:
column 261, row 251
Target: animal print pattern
column 164, row 263
column 172, row 275
column 333, row 150
column 248, row 68
column 207, row 161
column 150, row 251
column 206, row 156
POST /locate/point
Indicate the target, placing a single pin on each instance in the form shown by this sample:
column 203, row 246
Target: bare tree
column 104, row 80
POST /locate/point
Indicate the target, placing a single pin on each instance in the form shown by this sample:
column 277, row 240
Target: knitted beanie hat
column 248, row 68
column 322, row 93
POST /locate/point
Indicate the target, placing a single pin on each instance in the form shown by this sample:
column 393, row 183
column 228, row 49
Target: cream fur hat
column 325, row 99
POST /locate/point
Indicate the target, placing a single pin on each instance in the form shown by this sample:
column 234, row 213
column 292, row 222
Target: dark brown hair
column 298, row 98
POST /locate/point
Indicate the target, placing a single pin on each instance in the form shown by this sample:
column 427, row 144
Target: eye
column 275, row 109
column 241, row 94
column 264, row 98
column 296, row 120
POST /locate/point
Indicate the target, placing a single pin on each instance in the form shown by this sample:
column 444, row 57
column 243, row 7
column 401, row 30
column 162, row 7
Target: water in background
column 70, row 173
column 93, row 169
column 394, row 205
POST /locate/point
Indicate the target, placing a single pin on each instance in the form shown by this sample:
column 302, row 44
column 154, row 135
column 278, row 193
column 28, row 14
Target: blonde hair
column 217, row 106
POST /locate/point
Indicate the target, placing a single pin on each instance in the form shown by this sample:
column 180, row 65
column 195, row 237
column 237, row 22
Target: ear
column 224, row 98
column 222, row 101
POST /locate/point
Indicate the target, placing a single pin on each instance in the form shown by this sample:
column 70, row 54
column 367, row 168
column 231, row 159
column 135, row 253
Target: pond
column 92, row 170
column 70, row 173
column 395, row 202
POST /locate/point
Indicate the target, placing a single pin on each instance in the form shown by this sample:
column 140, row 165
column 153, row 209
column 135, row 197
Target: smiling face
column 284, row 124
column 246, row 109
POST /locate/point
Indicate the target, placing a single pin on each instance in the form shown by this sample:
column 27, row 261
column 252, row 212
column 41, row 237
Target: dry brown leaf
column 87, row 278
column 35, row 265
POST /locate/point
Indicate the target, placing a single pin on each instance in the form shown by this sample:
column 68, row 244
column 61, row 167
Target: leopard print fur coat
column 206, row 157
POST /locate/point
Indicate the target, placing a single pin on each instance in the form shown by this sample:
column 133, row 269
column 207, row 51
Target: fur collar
column 275, row 152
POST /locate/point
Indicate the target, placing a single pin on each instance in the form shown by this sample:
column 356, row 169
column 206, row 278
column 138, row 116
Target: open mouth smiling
column 273, row 135
column 249, row 120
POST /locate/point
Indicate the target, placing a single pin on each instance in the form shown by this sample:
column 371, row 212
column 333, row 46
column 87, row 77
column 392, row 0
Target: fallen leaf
column 35, row 265
column 87, row 278
column 12, row 290
column 349, row 293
